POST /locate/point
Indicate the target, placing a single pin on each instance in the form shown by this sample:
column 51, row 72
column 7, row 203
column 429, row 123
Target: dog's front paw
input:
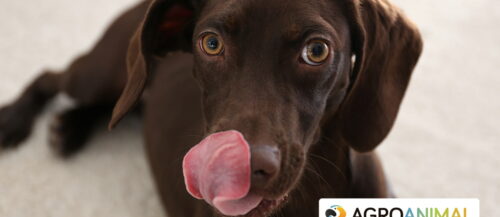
column 69, row 132
column 15, row 126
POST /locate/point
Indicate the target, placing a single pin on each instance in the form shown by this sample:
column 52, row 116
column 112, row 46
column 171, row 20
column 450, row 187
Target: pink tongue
column 218, row 171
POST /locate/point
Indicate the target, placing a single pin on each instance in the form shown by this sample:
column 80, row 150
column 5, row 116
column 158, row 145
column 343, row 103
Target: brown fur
column 325, row 120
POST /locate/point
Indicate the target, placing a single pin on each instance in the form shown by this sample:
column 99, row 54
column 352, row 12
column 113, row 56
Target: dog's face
column 269, row 69
column 276, row 76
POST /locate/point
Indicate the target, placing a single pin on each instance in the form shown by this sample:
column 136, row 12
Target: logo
column 407, row 207
column 335, row 211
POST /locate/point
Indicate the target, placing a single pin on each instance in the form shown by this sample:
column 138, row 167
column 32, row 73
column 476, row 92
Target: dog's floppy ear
column 387, row 47
column 167, row 26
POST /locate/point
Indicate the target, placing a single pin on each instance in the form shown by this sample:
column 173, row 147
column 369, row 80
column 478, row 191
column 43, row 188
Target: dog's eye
column 212, row 44
column 315, row 52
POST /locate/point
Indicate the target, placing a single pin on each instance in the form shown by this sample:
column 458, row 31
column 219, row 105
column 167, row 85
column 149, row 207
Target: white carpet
column 444, row 144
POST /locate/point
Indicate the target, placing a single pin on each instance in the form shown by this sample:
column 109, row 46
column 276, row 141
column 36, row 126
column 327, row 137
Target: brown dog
column 288, row 115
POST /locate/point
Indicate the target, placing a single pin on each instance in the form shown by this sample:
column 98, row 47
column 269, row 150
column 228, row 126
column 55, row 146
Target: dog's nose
column 265, row 163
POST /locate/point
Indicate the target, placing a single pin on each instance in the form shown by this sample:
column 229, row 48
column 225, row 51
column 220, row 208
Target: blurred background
column 445, row 143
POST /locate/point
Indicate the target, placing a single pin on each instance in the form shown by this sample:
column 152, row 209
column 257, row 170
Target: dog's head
column 276, row 76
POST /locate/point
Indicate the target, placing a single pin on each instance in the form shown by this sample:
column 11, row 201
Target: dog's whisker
column 330, row 163
column 328, row 185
